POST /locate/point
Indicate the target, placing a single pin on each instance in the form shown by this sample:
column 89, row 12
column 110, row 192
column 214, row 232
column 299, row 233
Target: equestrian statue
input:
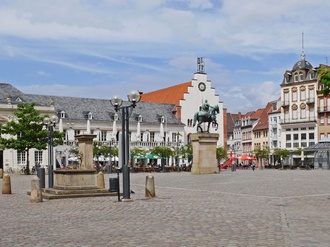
column 207, row 114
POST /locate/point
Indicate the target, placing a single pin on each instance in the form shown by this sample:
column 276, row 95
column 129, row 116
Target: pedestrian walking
column 253, row 166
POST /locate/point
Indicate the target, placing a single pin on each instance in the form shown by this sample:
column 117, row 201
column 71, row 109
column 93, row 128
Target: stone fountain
column 79, row 182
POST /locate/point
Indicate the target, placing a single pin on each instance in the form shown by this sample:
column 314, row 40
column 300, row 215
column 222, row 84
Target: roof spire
column 200, row 65
column 302, row 58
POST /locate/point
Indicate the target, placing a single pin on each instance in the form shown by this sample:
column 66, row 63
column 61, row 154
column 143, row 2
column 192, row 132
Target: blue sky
column 101, row 48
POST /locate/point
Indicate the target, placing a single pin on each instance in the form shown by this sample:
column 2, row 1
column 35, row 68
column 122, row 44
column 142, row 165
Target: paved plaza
column 243, row 208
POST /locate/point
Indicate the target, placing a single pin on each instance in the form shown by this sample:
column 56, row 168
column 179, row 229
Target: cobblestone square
column 243, row 208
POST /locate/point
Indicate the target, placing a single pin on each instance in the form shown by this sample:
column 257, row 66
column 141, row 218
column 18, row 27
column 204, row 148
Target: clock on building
column 201, row 86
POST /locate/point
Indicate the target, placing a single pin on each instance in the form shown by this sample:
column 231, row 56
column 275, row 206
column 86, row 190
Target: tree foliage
column 187, row 152
column 324, row 78
column 163, row 152
column 27, row 131
column 138, row 152
column 262, row 153
column 221, row 153
column 282, row 153
column 101, row 149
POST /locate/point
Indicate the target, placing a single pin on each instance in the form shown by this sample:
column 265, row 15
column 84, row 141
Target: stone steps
column 51, row 194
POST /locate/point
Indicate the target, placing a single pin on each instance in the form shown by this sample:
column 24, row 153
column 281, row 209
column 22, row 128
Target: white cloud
column 156, row 43
column 42, row 73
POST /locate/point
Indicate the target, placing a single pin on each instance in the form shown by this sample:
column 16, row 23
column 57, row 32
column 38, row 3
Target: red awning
column 245, row 157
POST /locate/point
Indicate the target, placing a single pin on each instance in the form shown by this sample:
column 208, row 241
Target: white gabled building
column 188, row 98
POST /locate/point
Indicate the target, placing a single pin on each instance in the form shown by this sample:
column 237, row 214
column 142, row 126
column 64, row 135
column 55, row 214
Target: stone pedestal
column 85, row 145
column 80, row 182
column 74, row 179
column 204, row 153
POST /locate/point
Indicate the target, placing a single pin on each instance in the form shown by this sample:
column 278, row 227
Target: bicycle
column 23, row 171
column 34, row 169
column 10, row 170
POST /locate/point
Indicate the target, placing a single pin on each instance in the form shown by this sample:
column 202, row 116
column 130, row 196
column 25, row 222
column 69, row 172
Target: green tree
column 163, row 152
column 262, row 154
column 324, row 78
column 100, row 149
column 221, row 154
column 138, row 152
column 282, row 154
column 187, row 151
column 26, row 131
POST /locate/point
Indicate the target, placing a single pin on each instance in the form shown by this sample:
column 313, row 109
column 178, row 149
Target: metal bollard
column 36, row 194
column 150, row 186
column 6, row 185
column 41, row 176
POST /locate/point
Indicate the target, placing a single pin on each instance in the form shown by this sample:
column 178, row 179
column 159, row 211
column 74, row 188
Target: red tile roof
column 169, row 95
column 257, row 114
column 263, row 120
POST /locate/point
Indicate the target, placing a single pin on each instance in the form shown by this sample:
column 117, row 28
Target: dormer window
column 162, row 119
column 90, row 116
column 274, row 106
column 296, row 78
column 140, row 118
column 62, row 114
column 301, row 76
column 115, row 117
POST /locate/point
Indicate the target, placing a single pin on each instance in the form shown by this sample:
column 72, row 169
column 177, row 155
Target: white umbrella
column 161, row 135
column 114, row 128
column 138, row 131
column 88, row 131
column 60, row 125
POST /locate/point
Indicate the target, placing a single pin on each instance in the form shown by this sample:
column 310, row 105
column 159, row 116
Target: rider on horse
column 206, row 114
column 205, row 109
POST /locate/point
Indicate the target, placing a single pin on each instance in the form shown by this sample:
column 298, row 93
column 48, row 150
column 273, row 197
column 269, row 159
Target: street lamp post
column 50, row 124
column 177, row 154
column 116, row 101
column 110, row 155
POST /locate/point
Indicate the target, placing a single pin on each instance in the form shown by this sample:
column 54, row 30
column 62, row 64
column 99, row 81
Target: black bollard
column 50, row 176
column 118, row 192
column 41, row 176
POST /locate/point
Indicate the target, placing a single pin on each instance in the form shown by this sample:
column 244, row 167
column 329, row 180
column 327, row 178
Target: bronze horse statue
column 207, row 117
